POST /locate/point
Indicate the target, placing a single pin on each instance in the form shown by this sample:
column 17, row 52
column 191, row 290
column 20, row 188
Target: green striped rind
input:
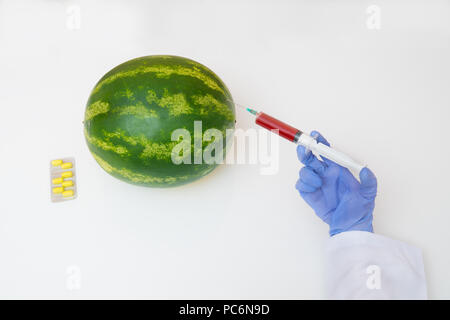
column 133, row 109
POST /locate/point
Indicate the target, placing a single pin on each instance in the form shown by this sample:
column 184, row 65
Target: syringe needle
column 254, row 112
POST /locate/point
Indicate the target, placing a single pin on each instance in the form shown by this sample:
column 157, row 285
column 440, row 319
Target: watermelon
column 134, row 109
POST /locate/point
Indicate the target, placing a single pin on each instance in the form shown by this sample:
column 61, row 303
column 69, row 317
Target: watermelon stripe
column 138, row 111
column 162, row 71
column 151, row 149
column 213, row 105
column 175, row 103
column 96, row 108
column 120, row 134
column 106, row 145
column 134, row 177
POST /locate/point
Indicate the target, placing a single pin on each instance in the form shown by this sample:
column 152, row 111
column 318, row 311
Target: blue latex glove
column 334, row 193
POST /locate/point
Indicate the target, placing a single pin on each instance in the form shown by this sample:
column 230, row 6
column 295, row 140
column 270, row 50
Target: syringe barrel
column 292, row 134
column 282, row 129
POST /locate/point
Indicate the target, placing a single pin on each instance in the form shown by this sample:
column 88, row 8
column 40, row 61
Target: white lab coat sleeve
column 364, row 265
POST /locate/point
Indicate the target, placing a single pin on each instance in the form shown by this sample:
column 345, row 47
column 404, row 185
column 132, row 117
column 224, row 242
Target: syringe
column 292, row 134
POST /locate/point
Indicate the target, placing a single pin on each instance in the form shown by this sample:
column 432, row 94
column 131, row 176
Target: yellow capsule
column 68, row 193
column 57, row 180
column 58, row 190
column 57, row 162
column 66, row 174
column 66, row 165
column 67, row 183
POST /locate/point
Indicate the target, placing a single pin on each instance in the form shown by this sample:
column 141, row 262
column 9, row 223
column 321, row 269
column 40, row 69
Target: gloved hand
column 334, row 193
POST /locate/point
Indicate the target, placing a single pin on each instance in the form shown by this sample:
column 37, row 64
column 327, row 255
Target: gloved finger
column 319, row 137
column 368, row 187
column 310, row 160
column 309, row 177
column 315, row 136
column 303, row 187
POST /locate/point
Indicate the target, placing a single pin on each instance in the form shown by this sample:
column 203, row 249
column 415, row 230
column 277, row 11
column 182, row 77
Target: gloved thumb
column 368, row 187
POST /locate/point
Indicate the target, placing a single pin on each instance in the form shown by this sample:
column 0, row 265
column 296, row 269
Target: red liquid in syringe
column 282, row 129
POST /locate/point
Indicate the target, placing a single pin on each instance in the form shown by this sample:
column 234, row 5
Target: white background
column 380, row 95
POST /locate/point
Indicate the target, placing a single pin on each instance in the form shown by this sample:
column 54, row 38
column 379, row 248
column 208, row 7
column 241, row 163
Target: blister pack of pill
column 63, row 184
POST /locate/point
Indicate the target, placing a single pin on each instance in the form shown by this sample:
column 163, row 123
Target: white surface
column 382, row 96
